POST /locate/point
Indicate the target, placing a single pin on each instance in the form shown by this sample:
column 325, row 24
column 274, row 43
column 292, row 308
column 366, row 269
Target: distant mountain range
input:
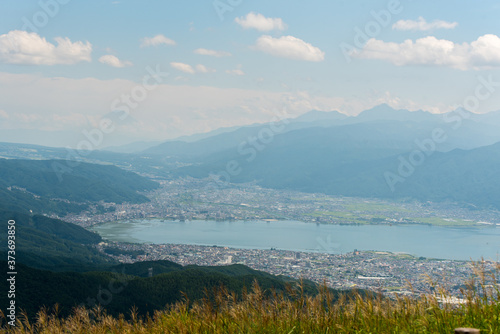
column 468, row 131
column 451, row 157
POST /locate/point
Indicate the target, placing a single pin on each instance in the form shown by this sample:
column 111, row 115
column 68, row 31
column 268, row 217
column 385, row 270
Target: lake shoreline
column 456, row 243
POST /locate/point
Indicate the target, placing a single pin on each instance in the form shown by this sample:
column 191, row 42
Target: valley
column 196, row 199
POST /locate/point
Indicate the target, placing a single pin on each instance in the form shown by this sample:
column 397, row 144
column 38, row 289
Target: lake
column 461, row 243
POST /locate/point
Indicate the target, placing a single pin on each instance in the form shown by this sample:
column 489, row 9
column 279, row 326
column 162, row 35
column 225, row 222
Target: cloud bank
column 24, row 48
column 483, row 53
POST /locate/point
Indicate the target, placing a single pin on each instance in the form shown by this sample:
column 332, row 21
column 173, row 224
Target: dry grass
column 292, row 312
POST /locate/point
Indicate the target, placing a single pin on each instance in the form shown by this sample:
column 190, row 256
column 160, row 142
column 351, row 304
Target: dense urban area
column 378, row 271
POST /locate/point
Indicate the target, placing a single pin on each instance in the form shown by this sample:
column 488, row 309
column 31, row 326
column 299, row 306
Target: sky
column 115, row 72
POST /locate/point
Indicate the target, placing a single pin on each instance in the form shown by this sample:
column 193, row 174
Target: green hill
column 47, row 243
column 60, row 186
column 118, row 289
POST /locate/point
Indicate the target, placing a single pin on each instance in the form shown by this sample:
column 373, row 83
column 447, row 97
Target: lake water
column 461, row 243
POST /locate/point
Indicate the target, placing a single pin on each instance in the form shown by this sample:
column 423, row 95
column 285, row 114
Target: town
column 191, row 199
column 383, row 272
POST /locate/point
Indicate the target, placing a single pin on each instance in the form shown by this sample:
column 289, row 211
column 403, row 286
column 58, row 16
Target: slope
column 47, row 243
column 119, row 291
column 59, row 185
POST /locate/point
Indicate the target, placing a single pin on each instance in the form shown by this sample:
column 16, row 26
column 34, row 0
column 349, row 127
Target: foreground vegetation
column 291, row 311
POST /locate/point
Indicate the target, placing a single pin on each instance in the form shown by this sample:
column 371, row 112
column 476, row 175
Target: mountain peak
column 384, row 112
column 318, row 115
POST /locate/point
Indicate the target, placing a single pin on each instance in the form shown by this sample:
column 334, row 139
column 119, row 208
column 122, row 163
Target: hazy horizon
column 189, row 68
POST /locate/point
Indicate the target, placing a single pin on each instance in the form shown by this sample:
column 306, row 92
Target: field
column 374, row 213
column 437, row 221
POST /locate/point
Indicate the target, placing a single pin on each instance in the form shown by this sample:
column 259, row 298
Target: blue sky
column 63, row 63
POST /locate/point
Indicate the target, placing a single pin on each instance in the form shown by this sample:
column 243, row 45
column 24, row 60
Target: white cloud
column 213, row 53
column 157, row 40
column 3, row 114
column 183, row 67
column 114, row 61
column 23, row 48
column 289, row 47
column 260, row 22
column 422, row 25
column 203, row 69
column 482, row 53
column 235, row 72
column 186, row 68
column 485, row 52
